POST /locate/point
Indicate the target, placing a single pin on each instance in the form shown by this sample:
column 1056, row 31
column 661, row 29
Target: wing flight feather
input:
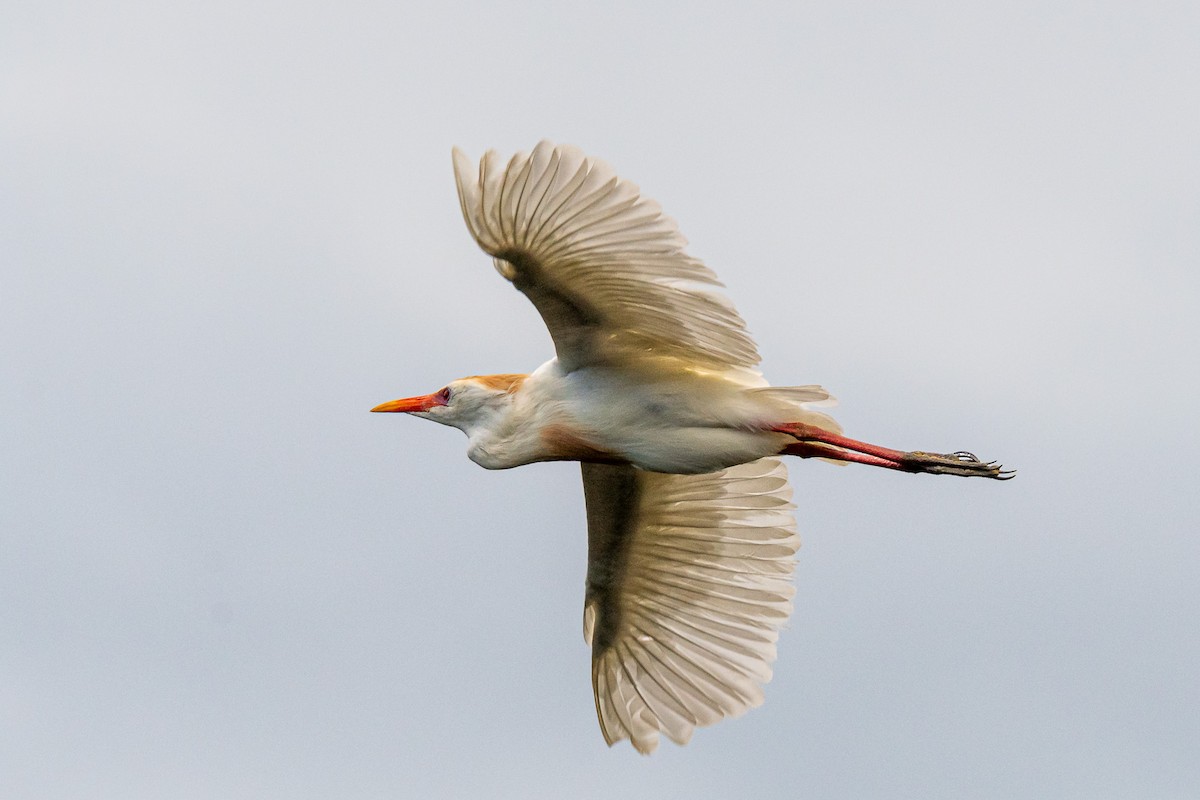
column 603, row 265
column 689, row 581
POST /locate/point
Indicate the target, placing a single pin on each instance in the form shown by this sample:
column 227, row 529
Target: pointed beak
column 409, row 404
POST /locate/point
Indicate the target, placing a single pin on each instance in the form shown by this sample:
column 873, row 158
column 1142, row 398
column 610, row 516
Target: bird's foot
column 959, row 462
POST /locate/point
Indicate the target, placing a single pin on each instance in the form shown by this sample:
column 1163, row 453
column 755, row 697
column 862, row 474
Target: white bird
column 691, row 537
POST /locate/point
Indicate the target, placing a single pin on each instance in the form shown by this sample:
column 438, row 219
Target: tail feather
column 811, row 395
column 797, row 404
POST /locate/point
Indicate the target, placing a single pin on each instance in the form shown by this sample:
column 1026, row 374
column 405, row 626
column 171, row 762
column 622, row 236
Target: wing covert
column 603, row 265
column 688, row 583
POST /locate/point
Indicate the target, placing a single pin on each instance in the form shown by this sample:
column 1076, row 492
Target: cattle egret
column 691, row 537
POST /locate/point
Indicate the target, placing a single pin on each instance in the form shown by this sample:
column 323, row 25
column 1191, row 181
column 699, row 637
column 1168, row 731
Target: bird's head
column 463, row 403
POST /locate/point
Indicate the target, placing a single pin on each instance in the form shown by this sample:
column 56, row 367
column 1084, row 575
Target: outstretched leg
column 814, row 442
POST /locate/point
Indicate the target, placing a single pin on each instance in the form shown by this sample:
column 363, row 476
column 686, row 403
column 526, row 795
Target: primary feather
column 688, row 583
column 603, row 265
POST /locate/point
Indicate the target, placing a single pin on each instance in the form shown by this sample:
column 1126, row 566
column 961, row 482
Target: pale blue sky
column 227, row 230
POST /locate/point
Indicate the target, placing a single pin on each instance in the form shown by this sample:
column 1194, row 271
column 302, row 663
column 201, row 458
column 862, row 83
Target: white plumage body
column 657, row 414
column 655, row 390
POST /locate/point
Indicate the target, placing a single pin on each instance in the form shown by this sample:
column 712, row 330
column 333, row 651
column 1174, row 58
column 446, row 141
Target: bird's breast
column 564, row 442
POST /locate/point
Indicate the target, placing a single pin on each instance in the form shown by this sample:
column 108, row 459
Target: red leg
column 814, row 442
column 814, row 450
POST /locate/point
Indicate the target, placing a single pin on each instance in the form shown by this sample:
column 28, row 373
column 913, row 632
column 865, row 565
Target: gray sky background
column 228, row 229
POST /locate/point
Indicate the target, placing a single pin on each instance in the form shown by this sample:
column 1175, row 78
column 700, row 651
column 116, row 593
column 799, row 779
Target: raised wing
column 689, row 580
column 603, row 265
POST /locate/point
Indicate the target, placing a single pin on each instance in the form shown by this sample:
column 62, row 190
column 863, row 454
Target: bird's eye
column 443, row 397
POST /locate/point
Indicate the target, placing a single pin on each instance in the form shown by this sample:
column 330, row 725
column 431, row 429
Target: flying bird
column 655, row 390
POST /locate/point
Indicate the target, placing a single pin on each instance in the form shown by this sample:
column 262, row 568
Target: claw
column 959, row 462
